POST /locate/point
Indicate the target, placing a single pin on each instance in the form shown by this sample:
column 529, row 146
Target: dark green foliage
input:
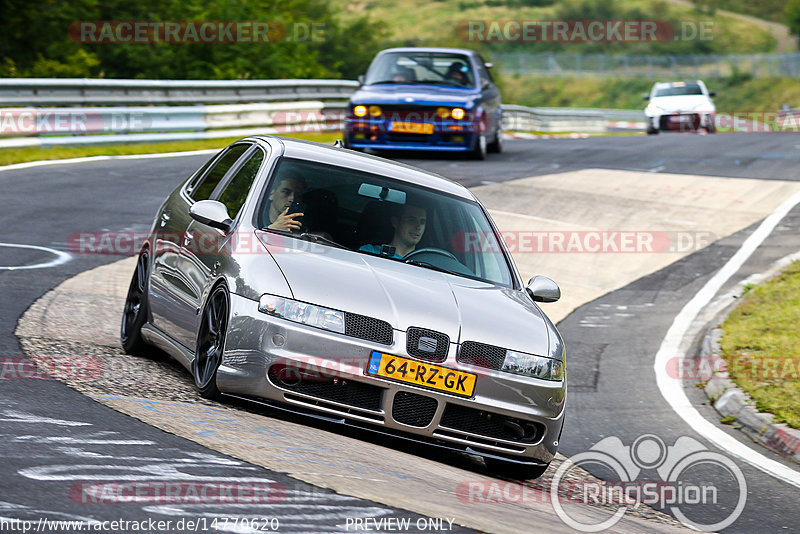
column 34, row 41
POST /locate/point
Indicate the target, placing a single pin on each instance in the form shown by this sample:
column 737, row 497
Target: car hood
column 683, row 103
column 406, row 295
column 415, row 95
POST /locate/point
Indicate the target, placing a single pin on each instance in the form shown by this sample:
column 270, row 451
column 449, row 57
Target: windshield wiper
column 428, row 266
column 316, row 238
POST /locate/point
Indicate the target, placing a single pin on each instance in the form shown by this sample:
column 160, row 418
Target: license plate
column 421, row 374
column 412, row 127
column 681, row 118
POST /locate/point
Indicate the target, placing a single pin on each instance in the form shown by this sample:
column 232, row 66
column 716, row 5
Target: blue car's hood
column 415, row 95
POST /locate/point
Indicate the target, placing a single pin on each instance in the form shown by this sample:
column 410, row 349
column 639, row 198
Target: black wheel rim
column 211, row 338
column 133, row 303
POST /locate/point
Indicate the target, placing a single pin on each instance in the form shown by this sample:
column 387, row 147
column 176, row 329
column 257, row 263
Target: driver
column 288, row 188
column 408, row 229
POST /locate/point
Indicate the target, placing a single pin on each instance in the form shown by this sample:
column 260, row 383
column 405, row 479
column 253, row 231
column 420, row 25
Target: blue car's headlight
column 302, row 312
column 521, row 363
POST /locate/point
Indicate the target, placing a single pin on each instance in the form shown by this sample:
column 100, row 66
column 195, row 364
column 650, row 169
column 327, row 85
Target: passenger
column 409, row 227
column 287, row 189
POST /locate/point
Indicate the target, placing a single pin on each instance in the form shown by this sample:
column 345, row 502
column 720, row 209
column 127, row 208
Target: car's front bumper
column 447, row 135
column 680, row 121
column 257, row 345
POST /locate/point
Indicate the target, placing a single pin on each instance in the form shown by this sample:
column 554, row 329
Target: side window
column 236, row 190
column 210, row 181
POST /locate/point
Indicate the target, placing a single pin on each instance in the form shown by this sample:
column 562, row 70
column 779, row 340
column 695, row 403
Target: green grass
column 763, row 9
column 761, row 346
column 22, row 155
column 435, row 23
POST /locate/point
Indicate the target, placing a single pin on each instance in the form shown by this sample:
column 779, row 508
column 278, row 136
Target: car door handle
column 164, row 219
column 187, row 239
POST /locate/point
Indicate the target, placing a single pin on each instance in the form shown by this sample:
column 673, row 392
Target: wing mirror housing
column 361, row 79
column 712, row 93
column 646, row 96
column 211, row 213
column 543, row 289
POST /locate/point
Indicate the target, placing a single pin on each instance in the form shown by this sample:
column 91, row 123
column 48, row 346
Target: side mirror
column 712, row 93
column 361, row 79
column 211, row 213
column 543, row 289
column 646, row 96
column 488, row 65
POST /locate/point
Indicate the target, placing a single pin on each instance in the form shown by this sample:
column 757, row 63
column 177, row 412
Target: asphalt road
column 612, row 389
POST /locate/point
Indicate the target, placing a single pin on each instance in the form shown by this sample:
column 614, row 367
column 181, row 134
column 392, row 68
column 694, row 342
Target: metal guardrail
column 251, row 107
column 91, row 92
column 648, row 66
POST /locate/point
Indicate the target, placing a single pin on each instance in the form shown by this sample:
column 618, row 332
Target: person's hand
column 286, row 222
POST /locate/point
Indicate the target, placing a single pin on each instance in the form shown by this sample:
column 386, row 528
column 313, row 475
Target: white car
column 680, row 106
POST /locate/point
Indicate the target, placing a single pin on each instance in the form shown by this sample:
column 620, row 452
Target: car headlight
column 521, row 363
column 375, row 111
column 302, row 312
column 360, row 111
column 457, row 114
column 442, row 113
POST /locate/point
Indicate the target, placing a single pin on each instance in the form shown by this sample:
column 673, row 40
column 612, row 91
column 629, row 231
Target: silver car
column 363, row 291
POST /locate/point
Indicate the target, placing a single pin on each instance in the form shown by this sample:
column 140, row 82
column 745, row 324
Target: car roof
column 300, row 149
column 430, row 49
column 673, row 84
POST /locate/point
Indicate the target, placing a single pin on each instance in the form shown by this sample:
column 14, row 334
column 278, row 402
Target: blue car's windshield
column 436, row 68
column 373, row 214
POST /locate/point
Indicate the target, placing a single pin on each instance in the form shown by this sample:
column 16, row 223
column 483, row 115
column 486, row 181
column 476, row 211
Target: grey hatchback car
column 363, row 291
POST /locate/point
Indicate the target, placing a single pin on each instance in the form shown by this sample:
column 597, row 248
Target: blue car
column 436, row 99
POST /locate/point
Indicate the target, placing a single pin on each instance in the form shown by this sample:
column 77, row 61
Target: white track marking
column 672, row 389
column 86, row 159
column 543, row 219
column 61, row 257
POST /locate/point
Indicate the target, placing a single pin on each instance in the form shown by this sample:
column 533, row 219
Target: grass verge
column 761, row 346
column 9, row 156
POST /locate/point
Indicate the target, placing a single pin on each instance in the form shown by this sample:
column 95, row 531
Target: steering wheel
column 437, row 251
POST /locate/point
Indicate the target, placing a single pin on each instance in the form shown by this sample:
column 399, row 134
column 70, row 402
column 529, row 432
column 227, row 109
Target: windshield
column 680, row 89
column 421, row 68
column 379, row 216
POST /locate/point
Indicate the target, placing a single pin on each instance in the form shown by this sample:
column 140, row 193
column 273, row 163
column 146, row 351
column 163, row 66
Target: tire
column 496, row 146
column 479, row 151
column 711, row 128
column 515, row 471
column 652, row 131
column 136, row 310
column 211, row 342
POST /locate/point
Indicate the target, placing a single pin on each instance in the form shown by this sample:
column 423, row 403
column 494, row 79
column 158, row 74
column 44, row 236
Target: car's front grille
column 364, row 327
column 490, row 424
column 413, row 410
column 335, row 389
column 482, row 355
column 427, row 344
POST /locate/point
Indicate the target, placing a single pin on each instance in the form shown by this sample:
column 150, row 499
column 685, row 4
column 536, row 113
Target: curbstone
column 731, row 401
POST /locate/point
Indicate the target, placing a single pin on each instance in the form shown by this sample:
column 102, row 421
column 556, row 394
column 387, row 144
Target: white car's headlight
column 302, row 312
column 521, row 363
